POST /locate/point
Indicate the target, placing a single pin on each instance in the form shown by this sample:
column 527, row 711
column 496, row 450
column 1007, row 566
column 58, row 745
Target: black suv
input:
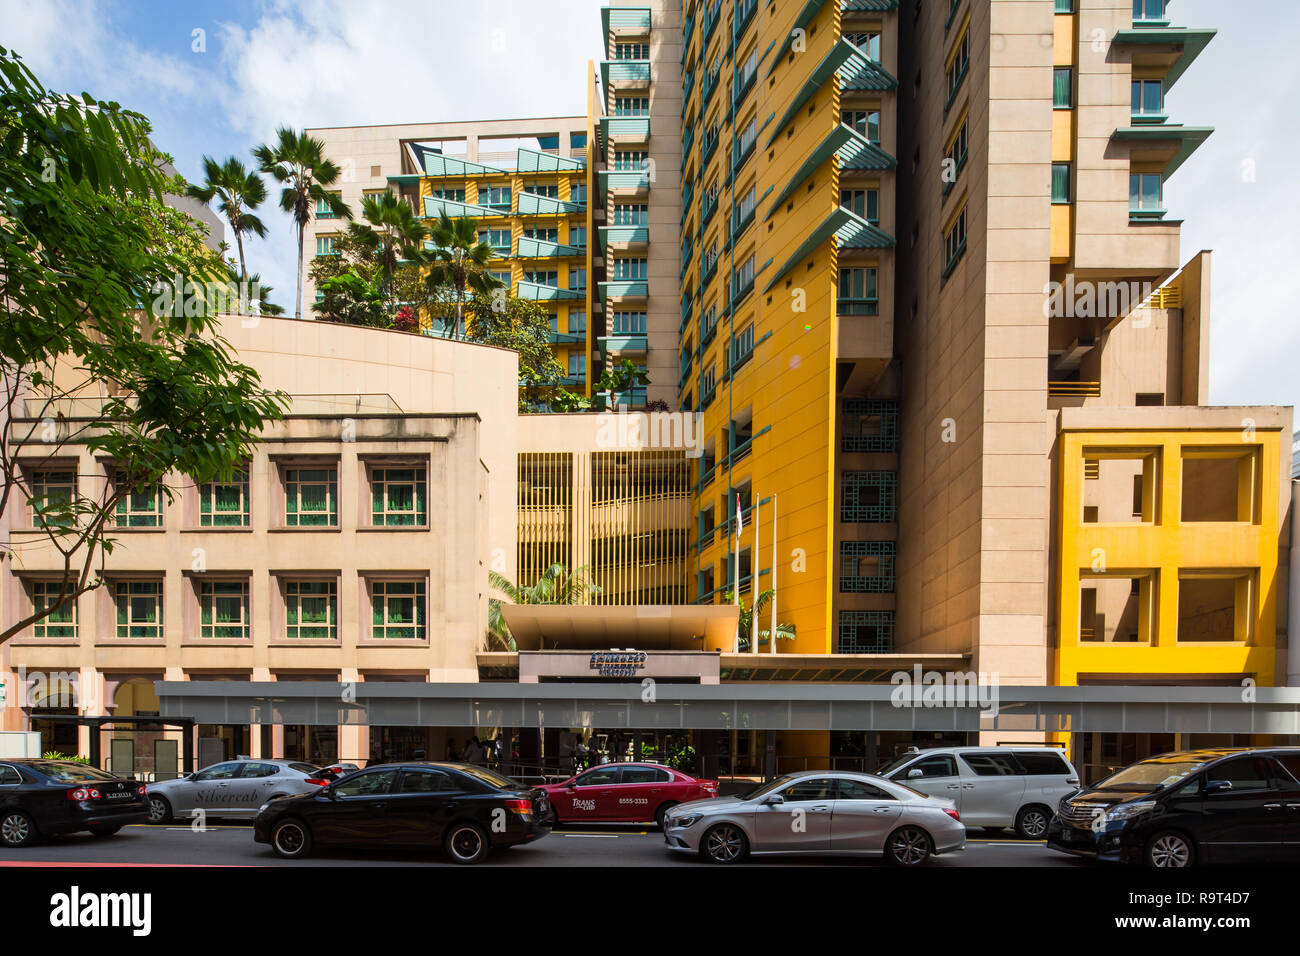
column 1193, row 807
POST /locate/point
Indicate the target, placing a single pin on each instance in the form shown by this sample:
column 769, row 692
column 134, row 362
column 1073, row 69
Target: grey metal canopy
column 766, row 706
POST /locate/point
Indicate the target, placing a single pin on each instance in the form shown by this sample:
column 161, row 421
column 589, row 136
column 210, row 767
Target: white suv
column 993, row 787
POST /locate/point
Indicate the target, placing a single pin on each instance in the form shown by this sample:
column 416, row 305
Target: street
column 232, row 845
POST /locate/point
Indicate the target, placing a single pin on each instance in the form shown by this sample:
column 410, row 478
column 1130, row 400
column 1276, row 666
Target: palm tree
column 239, row 192
column 298, row 161
column 557, row 585
column 459, row 262
column 264, row 304
column 390, row 233
column 784, row 632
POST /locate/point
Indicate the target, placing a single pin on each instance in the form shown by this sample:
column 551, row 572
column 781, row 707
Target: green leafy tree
column 298, row 162
column 459, row 262
column 619, row 379
column 509, row 322
column 238, row 192
column 784, row 632
column 389, row 233
column 557, row 585
column 99, row 347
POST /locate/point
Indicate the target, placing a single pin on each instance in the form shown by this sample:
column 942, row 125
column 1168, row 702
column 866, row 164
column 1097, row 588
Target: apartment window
column 632, row 51
column 498, row 239
column 868, row 496
column 1145, row 194
column 867, row 567
column 578, row 236
column 1148, row 99
column 631, row 106
column 1064, row 6
column 577, row 140
column 629, row 323
column 954, row 242
column 577, row 365
column 865, row 122
column 455, row 195
column 311, row 610
column 223, row 609
column 708, row 380
column 577, row 192
column 494, row 197
column 501, row 278
column 53, row 491
column 547, row 190
column 325, row 246
column 864, row 203
column 311, row 497
column 397, row 610
column 1060, row 182
column 957, row 66
column 1149, row 10
column 61, row 622
column 868, row 43
column 631, row 214
column 742, row 347
column 141, row 507
column 956, row 155
column 748, row 135
column 869, row 425
column 1062, row 88
column 746, row 204
column 577, row 278
column 550, row 277
column 630, row 269
column 139, row 609
column 577, row 322
column 324, row 208
column 857, row 292
column 224, row 503
column 865, row 632
column 708, row 321
column 743, row 279
column 628, row 160
column 397, row 497
column 748, row 69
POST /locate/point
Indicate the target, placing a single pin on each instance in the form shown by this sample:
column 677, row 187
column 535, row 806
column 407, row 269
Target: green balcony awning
column 1187, row 138
column 863, row 74
column 634, row 179
column 624, row 236
column 616, row 72
column 1189, row 42
column 847, row 229
column 868, row 6
column 535, row 161
column 854, row 150
column 435, row 206
column 624, row 289
column 527, row 248
column 632, row 127
column 406, row 179
column 631, row 344
column 632, row 20
column 539, row 292
column 436, row 164
column 530, row 204
column 842, row 52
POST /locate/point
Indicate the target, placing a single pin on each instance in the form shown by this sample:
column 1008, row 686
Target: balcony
column 625, row 184
column 624, row 345
column 625, row 130
column 545, row 249
column 530, row 204
column 624, row 238
column 1076, row 389
column 624, row 291
column 625, row 22
column 435, row 206
column 540, row 292
column 625, row 75
column 1169, row 50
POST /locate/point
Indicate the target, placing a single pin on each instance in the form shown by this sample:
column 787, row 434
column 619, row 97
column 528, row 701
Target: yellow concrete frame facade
column 1169, row 549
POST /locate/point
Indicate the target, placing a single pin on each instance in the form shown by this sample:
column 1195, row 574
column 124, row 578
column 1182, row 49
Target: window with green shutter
column 311, row 610
column 223, row 610
column 397, row 610
column 398, row 497
column 224, row 504
column 1062, row 88
column 311, row 497
column 1060, row 182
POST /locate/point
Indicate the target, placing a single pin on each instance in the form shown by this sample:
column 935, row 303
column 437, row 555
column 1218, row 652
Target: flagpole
column 735, row 579
column 753, row 590
column 772, row 635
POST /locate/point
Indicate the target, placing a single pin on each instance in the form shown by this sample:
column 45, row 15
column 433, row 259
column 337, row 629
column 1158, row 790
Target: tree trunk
column 297, row 310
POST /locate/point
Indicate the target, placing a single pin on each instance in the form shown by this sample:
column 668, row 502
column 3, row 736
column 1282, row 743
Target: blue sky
column 331, row 63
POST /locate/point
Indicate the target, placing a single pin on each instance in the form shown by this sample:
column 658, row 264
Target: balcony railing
column 1080, row 389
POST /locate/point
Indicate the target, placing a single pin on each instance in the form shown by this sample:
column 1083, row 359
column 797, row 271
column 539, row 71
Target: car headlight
column 1127, row 811
column 686, row 820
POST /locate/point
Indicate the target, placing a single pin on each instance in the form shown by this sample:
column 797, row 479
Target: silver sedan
column 819, row 812
column 233, row 788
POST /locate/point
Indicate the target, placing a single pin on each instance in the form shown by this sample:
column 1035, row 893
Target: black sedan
column 464, row 809
column 1188, row 808
column 40, row 798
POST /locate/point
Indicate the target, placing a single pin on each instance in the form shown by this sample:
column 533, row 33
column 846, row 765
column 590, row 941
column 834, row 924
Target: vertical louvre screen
column 640, row 510
column 545, row 513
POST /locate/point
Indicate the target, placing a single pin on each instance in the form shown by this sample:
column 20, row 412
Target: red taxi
column 624, row 793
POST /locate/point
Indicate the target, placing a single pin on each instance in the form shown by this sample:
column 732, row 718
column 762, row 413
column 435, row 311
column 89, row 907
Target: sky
column 218, row 77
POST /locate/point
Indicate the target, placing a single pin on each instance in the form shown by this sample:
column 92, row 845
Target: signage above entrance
column 618, row 663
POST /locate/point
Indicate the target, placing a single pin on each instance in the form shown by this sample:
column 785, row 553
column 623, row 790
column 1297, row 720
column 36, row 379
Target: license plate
column 124, row 795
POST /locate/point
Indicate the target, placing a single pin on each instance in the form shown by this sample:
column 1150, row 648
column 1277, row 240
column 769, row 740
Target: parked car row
column 1174, row 810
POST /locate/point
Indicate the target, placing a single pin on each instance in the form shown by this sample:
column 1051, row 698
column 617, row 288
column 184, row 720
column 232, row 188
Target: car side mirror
column 1218, row 786
column 570, row 783
column 915, row 774
column 774, row 799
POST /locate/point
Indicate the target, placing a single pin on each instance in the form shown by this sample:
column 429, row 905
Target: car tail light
column 318, row 781
column 83, row 793
column 520, row 806
column 952, row 813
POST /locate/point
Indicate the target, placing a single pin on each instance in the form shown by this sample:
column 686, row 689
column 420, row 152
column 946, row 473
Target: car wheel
column 160, row 811
column 1031, row 822
column 467, row 843
column 291, row 839
column 102, row 831
column 663, row 812
column 725, row 843
column 17, row 829
column 908, row 846
column 1170, row 850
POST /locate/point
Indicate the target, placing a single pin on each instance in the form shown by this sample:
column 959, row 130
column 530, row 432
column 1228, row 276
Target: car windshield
column 894, row 764
column 763, row 788
column 68, row 772
column 491, row 777
column 1149, row 776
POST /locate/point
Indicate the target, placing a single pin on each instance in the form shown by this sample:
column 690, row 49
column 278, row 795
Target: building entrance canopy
column 745, row 706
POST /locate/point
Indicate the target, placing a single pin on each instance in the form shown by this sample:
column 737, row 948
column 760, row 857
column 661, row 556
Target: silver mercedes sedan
column 233, row 788
column 819, row 812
